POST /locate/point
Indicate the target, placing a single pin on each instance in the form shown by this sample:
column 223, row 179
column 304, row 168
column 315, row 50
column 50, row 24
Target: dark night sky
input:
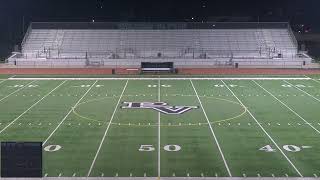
column 12, row 11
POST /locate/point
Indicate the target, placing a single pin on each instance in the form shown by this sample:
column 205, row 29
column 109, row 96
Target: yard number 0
column 169, row 148
column 52, row 148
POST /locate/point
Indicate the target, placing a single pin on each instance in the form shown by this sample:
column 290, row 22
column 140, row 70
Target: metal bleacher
column 185, row 44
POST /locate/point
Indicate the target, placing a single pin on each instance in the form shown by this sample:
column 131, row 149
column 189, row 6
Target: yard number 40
column 289, row 148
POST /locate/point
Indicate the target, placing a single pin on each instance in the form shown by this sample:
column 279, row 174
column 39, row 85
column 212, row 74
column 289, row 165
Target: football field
column 245, row 126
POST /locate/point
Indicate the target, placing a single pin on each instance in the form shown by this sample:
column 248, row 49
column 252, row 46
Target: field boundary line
column 24, row 86
column 303, row 91
column 105, row 133
column 143, row 78
column 290, row 162
column 213, row 133
column 65, row 117
column 288, row 107
column 159, row 132
column 31, row 107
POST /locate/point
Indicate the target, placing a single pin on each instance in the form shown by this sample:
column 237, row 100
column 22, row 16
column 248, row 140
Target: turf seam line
column 24, row 86
column 294, row 112
column 286, row 157
column 65, row 117
column 33, row 105
column 303, row 91
column 213, row 133
column 105, row 133
column 240, row 78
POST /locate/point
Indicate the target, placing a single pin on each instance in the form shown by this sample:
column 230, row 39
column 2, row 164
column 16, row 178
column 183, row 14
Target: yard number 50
column 169, row 148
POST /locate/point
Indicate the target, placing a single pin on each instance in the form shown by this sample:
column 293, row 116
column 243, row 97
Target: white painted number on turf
column 267, row 148
column 20, row 86
column 230, row 85
column 297, row 85
column 289, row 148
column 169, row 148
column 172, row 148
column 146, row 148
column 163, row 85
column 87, row 85
column 52, row 148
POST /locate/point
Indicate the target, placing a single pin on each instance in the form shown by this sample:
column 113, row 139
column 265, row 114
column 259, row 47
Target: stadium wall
column 182, row 71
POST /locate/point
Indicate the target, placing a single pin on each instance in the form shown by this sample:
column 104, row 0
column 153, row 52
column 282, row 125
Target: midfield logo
column 158, row 106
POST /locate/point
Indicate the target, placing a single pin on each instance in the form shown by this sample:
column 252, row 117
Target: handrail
column 293, row 38
column 26, row 36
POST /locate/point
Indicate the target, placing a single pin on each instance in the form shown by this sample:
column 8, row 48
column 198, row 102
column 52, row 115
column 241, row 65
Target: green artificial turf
column 232, row 125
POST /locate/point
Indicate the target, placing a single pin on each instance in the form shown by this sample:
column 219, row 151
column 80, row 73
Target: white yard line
column 213, row 133
column 288, row 107
column 31, row 107
column 315, row 80
column 262, row 128
column 303, row 91
column 3, row 81
column 105, row 133
column 142, row 78
column 159, row 131
column 16, row 91
column 65, row 117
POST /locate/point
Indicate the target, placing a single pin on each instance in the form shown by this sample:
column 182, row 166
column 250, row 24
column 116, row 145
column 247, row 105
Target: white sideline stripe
column 31, row 107
column 264, row 130
column 303, row 91
column 159, row 132
column 24, row 86
column 288, row 107
column 142, row 78
column 65, row 117
column 105, row 133
column 213, row 134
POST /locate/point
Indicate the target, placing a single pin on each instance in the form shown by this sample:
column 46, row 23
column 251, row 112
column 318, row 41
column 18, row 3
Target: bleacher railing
column 159, row 25
column 26, row 36
column 292, row 36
